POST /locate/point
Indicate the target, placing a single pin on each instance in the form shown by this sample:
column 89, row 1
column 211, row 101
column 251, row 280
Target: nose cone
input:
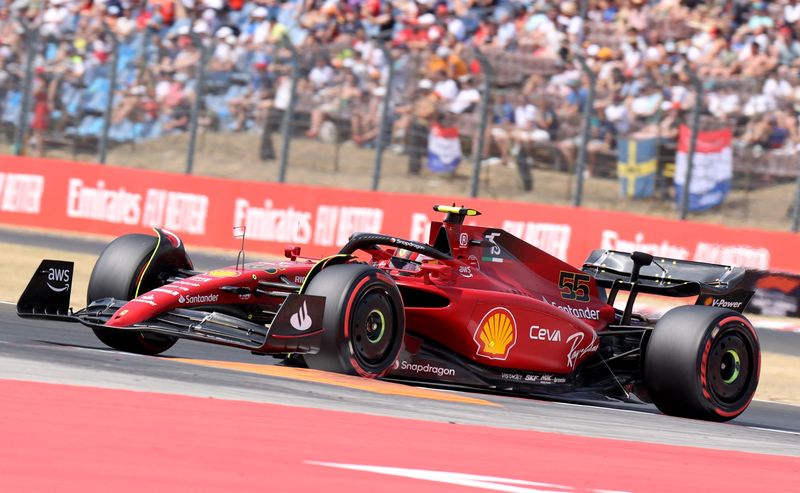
column 143, row 308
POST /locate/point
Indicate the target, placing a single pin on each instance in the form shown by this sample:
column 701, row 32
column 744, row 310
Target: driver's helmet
column 407, row 260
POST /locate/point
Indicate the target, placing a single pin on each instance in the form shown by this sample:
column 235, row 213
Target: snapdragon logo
column 427, row 369
column 200, row 298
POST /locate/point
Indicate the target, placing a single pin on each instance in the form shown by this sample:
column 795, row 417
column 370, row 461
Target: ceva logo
column 58, row 275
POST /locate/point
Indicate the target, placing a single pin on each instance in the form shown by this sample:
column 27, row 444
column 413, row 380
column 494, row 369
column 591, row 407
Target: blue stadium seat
column 12, row 106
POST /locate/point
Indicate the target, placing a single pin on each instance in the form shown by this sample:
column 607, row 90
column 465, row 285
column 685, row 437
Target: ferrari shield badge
column 496, row 334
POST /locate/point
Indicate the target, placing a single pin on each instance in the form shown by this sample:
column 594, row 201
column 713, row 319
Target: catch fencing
column 518, row 125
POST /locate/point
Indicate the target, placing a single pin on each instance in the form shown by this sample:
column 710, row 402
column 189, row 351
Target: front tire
column 364, row 322
column 702, row 362
column 121, row 272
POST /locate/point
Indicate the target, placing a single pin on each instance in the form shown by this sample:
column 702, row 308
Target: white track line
column 788, row 432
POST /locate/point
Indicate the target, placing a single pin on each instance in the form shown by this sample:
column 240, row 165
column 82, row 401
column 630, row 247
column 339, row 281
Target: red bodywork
column 498, row 302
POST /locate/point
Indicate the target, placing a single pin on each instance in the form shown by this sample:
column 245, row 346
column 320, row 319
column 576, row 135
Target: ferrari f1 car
column 474, row 307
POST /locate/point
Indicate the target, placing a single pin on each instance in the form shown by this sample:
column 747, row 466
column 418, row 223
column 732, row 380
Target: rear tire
column 364, row 322
column 702, row 362
column 119, row 273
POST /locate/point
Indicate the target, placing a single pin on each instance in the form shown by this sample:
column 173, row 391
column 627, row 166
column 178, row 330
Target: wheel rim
column 376, row 326
column 730, row 363
column 372, row 327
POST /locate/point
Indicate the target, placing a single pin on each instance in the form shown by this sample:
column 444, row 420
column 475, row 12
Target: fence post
column 112, row 84
column 698, row 106
column 584, row 9
column 205, row 52
column 288, row 115
column 796, row 206
column 31, row 42
column 586, row 127
column 486, row 101
column 386, row 118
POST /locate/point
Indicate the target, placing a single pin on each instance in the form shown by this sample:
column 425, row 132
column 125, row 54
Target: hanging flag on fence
column 636, row 167
column 444, row 149
column 712, row 170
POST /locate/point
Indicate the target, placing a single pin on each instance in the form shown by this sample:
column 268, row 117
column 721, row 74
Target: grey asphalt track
column 59, row 352
column 67, row 353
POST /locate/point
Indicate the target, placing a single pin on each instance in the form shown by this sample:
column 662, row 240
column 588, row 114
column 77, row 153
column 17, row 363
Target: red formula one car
column 475, row 307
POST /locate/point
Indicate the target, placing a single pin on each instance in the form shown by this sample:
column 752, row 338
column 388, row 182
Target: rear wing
column 638, row 272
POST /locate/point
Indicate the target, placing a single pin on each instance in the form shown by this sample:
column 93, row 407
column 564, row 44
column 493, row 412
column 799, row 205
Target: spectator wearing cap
column 256, row 30
column 570, row 21
column 131, row 101
column 444, row 87
column 415, row 34
column 468, row 97
column 787, row 46
column 258, row 99
column 188, row 55
column 54, row 18
column 417, row 118
column 378, row 18
column 226, row 52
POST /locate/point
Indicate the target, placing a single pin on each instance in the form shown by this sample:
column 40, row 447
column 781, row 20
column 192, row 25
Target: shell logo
column 496, row 334
column 223, row 273
column 708, row 301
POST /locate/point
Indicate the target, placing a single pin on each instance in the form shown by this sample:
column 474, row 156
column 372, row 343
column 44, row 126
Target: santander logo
column 301, row 320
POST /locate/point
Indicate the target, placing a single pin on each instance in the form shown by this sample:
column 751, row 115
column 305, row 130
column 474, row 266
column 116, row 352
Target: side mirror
column 640, row 259
column 292, row 252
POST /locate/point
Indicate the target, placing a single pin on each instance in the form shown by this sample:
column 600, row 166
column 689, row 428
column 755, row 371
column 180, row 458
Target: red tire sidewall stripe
column 347, row 313
column 704, row 361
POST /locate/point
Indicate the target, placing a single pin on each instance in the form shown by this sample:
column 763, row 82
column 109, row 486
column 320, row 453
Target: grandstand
column 225, row 67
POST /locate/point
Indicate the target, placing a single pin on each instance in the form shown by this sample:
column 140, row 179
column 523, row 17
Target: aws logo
column 496, row 334
column 58, row 276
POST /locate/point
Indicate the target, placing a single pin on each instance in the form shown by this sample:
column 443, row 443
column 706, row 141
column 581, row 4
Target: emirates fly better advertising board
column 108, row 200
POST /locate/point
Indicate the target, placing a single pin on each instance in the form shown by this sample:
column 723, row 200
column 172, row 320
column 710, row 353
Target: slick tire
column 118, row 272
column 702, row 362
column 364, row 322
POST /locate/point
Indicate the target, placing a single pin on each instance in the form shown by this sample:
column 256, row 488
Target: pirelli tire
column 364, row 322
column 119, row 272
column 702, row 362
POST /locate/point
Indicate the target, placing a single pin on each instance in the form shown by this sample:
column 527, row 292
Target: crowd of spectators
column 747, row 55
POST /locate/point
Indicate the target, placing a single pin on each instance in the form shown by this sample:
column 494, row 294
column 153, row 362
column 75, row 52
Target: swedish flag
column 636, row 167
